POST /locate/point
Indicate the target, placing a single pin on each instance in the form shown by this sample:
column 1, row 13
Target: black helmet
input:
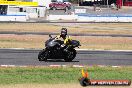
column 63, row 32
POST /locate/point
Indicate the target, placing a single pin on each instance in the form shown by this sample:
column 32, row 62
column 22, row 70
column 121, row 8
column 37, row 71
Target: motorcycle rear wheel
column 43, row 55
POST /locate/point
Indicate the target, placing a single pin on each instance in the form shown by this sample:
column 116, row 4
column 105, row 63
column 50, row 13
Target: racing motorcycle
column 53, row 50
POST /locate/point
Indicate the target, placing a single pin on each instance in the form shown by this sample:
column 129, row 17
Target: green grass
column 48, row 75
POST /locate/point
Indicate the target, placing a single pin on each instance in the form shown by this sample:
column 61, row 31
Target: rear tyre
column 43, row 55
column 54, row 8
column 70, row 55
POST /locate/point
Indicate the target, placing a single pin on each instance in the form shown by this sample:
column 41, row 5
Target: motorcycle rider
column 67, row 39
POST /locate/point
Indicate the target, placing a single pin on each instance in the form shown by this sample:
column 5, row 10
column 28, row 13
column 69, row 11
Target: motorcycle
column 54, row 50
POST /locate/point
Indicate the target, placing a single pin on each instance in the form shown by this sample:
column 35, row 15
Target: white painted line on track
column 7, row 65
column 55, row 66
column 78, row 66
column 75, row 66
column 75, row 49
column 115, row 66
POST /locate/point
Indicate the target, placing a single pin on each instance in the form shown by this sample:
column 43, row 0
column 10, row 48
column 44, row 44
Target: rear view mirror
column 50, row 36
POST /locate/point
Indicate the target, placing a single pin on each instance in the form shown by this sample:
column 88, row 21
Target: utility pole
column 107, row 4
column 78, row 2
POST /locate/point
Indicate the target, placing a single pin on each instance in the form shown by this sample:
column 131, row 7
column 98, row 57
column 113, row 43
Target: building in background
column 127, row 2
column 21, row 10
column 119, row 3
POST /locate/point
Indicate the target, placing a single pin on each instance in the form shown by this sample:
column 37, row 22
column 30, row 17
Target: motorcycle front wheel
column 43, row 55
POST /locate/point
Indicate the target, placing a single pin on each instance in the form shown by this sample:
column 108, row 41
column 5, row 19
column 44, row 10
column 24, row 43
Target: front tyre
column 66, row 9
column 70, row 55
column 43, row 55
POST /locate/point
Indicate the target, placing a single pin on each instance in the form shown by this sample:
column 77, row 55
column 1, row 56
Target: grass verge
column 61, row 75
column 84, row 28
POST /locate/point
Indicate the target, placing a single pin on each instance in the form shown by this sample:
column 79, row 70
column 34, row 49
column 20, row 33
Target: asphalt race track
column 29, row 57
